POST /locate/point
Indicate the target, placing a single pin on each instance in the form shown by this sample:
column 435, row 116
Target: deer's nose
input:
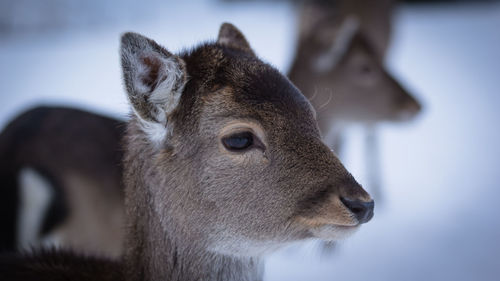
column 361, row 209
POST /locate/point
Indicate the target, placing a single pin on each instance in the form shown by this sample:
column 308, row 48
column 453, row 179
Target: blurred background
column 439, row 217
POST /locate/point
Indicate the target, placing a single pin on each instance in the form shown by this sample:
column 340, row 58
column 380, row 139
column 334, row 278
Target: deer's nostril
column 361, row 209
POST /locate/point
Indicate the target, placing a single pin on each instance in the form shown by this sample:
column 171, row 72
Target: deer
column 339, row 66
column 62, row 166
column 223, row 163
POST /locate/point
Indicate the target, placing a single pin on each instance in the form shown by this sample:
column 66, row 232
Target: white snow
column 439, row 217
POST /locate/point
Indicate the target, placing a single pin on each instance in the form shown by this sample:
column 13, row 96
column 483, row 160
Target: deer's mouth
column 329, row 230
column 333, row 232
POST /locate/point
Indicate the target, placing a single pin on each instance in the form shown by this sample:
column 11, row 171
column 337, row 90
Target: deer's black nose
column 361, row 209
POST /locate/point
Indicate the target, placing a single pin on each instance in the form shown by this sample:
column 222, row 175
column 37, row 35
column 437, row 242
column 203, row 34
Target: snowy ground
column 438, row 220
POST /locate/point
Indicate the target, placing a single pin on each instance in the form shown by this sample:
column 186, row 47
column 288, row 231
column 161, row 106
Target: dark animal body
column 66, row 147
column 57, row 265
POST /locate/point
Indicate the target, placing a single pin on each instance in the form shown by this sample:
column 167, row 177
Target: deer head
column 224, row 157
column 339, row 64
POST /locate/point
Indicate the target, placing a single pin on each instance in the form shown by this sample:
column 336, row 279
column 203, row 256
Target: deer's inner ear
column 151, row 77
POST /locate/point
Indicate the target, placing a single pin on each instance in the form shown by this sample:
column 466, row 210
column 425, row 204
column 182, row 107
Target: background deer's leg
column 372, row 160
column 334, row 138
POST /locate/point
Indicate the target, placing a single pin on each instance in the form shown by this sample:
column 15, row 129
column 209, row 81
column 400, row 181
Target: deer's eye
column 365, row 69
column 238, row 141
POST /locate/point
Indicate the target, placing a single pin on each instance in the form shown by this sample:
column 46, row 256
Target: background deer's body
column 220, row 168
column 339, row 66
column 77, row 156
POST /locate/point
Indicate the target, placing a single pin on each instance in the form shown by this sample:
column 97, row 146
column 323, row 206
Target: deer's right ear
column 154, row 79
column 232, row 37
column 328, row 60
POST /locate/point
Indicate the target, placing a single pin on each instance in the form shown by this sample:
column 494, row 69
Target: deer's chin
column 332, row 232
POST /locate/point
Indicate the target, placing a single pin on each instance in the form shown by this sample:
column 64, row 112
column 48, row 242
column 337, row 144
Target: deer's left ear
column 232, row 37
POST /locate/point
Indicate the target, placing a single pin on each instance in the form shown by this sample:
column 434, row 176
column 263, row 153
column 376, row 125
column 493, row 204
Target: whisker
column 315, row 92
column 327, row 102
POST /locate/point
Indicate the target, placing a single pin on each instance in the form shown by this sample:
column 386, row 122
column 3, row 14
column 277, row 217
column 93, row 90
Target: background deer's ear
column 232, row 37
column 154, row 79
column 340, row 45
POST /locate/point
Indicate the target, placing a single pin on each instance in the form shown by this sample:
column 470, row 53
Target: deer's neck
column 154, row 253
column 156, row 247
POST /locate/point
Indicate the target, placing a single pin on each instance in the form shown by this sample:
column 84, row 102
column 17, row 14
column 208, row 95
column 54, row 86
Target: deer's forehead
column 228, row 104
column 230, row 84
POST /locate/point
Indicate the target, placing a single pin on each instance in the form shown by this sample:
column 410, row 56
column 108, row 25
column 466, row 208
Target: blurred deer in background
column 60, row 176
column 339, row 66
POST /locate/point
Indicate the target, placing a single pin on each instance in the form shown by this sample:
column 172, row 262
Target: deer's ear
column 232, row 37
column 339, row 47
column 154, row 79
